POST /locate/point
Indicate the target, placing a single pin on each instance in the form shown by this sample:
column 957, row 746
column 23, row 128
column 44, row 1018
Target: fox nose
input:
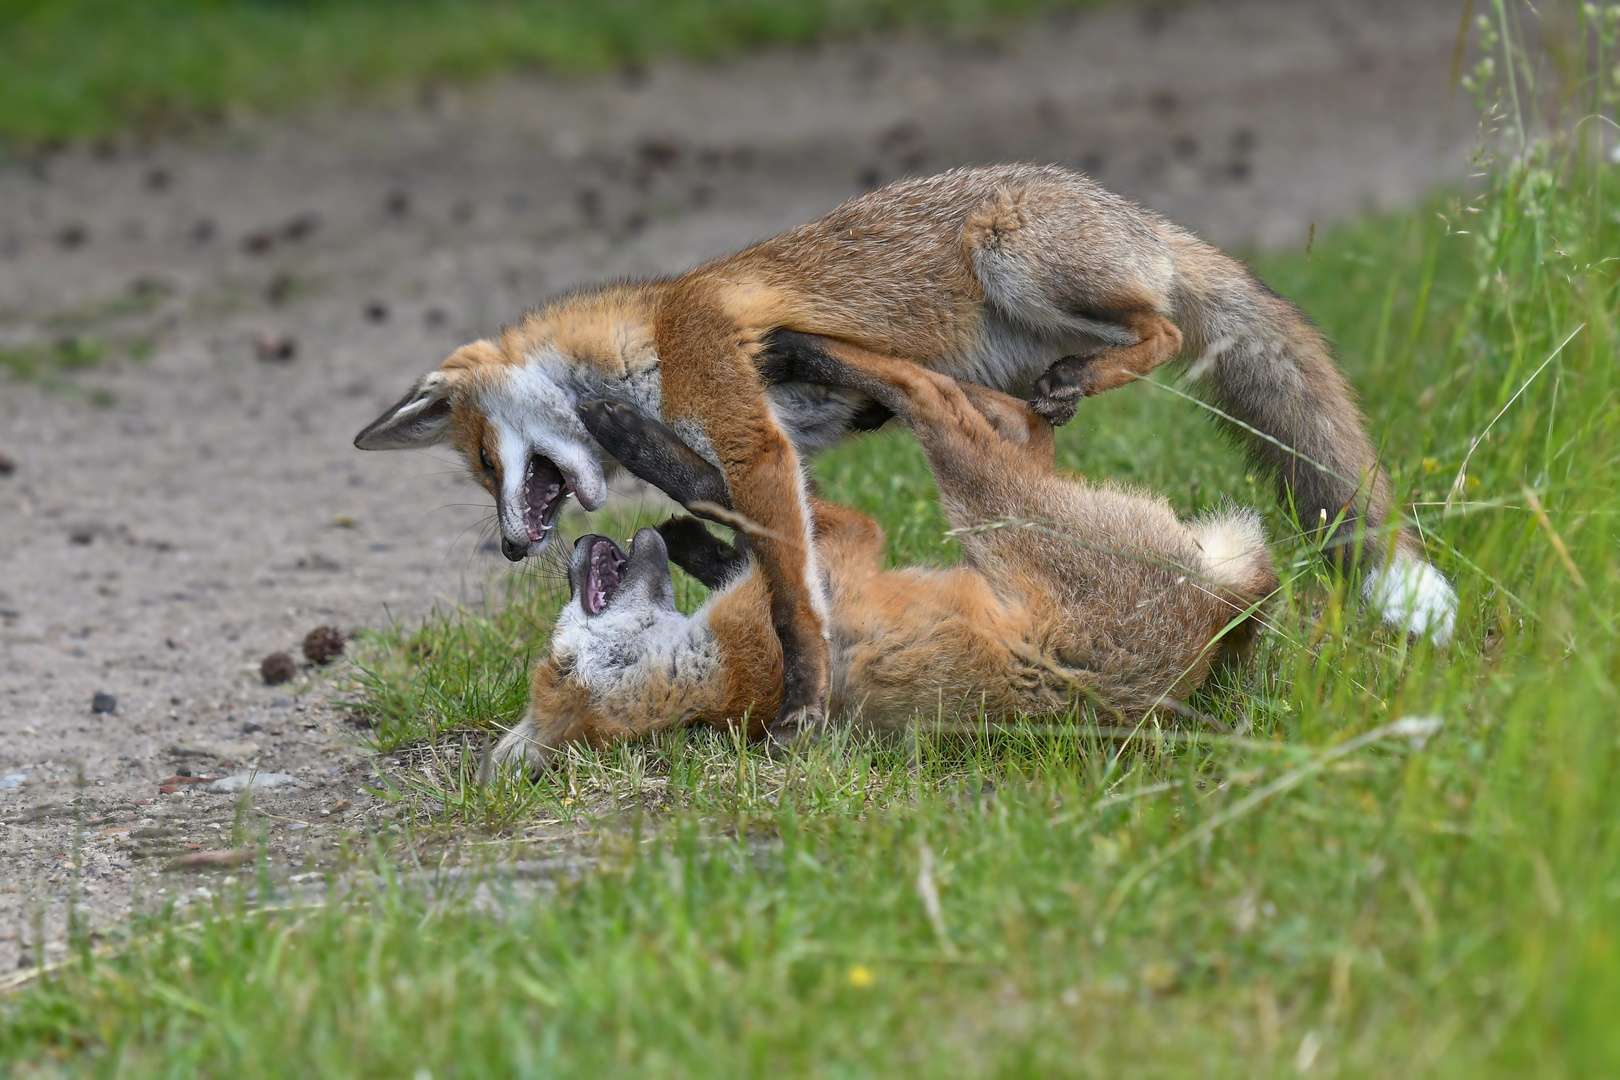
column 513, row 550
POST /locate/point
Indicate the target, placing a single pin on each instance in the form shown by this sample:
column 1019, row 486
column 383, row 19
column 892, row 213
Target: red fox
column 1031, row 280
column 1066, row 591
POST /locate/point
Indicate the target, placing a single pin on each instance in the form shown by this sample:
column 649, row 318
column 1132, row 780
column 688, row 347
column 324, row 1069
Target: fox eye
column 483, row 459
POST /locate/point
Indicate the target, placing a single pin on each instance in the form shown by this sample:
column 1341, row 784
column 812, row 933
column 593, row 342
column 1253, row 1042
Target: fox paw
column 796, row 728
column 519, row 748
column 1058, row 393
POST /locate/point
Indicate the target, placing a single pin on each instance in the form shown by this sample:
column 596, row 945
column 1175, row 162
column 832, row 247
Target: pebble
column 13, row 781
column 250, row 726
column 103, row 703
column 7, row 466
column 255, row 781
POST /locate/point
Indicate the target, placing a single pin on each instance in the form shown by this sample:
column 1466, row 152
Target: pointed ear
column 420, row 418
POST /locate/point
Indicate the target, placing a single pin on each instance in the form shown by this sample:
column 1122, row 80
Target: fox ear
column 420, row 418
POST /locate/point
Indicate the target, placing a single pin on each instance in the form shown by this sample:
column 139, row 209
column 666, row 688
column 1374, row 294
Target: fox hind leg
column 1058, row 393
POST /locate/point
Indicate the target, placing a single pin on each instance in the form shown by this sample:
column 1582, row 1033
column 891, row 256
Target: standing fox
column 1066, row 591
column 1031, row 280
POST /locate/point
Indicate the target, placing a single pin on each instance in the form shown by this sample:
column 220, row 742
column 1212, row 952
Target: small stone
column 72, row 236
column 398, row 203
column 301, row 227
column 280, row 702
column 377, row 311
column 323, row 644
column 103, row 703
column 255, row 781
column 277, row 668
column 251, row 726
column 183, row 770
column 280, row 288
column 81, row 536
column 7, row 466
column 275, row 348
column 257, row 243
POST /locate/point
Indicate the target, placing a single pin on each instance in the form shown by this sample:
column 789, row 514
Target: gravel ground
column 192, row 502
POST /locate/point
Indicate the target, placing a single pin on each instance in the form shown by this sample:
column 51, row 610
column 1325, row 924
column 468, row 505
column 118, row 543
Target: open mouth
column 604, row 573
column 545, row 489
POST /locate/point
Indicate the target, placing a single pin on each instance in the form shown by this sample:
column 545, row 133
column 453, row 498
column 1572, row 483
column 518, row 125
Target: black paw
column 648, row 448
column 1058, row 393
column 693, row 548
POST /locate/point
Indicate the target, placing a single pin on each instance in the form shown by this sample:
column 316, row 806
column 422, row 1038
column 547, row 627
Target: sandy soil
column 186, row 507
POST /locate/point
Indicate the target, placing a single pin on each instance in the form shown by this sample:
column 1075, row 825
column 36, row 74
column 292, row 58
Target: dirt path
column 170, row 520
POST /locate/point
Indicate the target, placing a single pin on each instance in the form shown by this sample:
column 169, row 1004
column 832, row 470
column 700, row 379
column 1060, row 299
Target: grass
column 92, row 68
column 1410, row 865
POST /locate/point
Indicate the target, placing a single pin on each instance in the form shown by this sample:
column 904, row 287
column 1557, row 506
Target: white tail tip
column 1413, row 596
column 1234, row 547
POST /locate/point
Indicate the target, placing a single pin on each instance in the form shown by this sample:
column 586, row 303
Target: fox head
column 621, row 610
column 510, row 410
column 620, row 648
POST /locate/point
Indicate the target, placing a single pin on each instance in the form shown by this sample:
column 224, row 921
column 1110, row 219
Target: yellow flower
column 860, row 976
column 1430, row 464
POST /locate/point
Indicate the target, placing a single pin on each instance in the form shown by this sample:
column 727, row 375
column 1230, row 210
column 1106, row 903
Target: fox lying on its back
column 1032, row 280
column 1066, row 591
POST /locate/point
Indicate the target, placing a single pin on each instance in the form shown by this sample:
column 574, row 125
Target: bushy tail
column 1272, row 375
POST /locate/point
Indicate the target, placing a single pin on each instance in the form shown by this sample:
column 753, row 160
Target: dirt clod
column 301, row 227
column 323, row 644
column 277, row 668
column 275, row 348
column 103, row 703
